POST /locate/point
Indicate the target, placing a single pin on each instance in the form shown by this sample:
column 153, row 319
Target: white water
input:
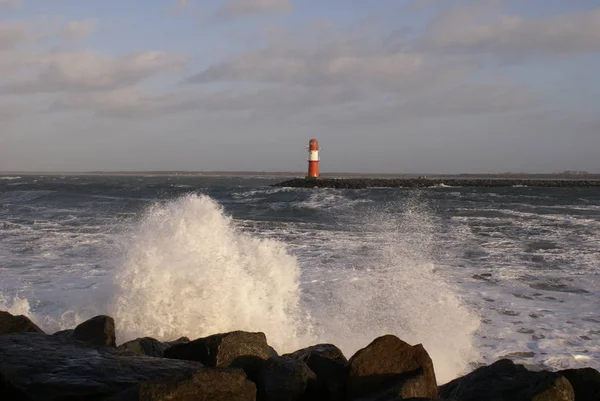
column 185, row 270
column 188, row 271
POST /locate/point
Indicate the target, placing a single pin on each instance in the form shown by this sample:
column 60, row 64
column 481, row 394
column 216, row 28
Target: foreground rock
column 235, row 349
column 389, row 367
column 204, row 385
column 329, row 366
column 34, row 366
column 286, row 379
column 505, row 381
column 98, row 331
column 10, row 324
column 585, row 383
column 83, row 364
column 150, row 346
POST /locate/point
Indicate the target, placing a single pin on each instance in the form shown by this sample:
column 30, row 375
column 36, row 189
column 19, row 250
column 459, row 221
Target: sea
column 473, row 274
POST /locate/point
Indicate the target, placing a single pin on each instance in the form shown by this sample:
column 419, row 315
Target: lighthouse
column 313, row 158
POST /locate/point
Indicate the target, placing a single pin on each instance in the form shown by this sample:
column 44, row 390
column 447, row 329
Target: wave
column 10, row 178
column 187, row 269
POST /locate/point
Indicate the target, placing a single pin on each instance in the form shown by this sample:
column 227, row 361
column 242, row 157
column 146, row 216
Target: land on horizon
column 557, row 175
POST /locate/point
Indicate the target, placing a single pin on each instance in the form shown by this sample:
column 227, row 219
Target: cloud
column 240, row 8
column 352, row 60
column 10, row 3
column 13, row 34
column 78, row 30
column 77, row 71
column 483, row 29
column 181, row 5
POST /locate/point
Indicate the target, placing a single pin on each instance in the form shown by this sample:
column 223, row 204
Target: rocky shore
column 85, row 364
column 358, row 183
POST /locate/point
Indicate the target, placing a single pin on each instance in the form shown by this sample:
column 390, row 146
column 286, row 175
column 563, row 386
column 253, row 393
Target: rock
column 390, row 367
column 149, row 346
column 285, row 379
column 10, row 324
column 272, row 352
column 204, row 385
column 234, row 349
column 329, row 365
column 328, row 351
column 98, row 331
column 505, row 381
column 34, row 366
column 585, row 383
column 64, row 333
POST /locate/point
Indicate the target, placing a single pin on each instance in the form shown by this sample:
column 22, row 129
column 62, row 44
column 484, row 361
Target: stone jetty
column 358, row 183
column 86, row 364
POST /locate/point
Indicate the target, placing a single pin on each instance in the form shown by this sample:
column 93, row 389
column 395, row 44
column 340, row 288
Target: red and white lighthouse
column 313, row 158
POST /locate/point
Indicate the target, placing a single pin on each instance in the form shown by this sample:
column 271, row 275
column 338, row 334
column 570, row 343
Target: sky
column 388, row 86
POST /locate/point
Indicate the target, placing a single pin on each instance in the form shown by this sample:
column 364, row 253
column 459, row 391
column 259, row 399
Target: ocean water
column 473, row 274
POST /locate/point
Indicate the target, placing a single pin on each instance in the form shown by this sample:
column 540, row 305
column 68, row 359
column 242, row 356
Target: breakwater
column 358, row 183
column 85, row 363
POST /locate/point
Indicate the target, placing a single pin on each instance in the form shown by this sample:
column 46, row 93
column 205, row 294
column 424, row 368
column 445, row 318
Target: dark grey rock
column 285, row 379
column 390, row 367
column 506, row 381
column 204, row 385
column 38, row 367
column 149, row 346
column 234, row 349
column 98, row 331
column 10, row 324
column 329, row 365
column 585, row 383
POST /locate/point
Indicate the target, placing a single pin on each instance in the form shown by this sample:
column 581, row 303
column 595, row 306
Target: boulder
column 203, row 385
column 285, row 379
column 98, row 331
column 34, row 366
column 329, row 365
column 506, row 381
column 149, row 346
column 10, row 324
column 389, row 367
column 585, row 383
column 234, row 349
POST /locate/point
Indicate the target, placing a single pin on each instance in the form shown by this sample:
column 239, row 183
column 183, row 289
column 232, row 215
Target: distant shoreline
column 473, row 176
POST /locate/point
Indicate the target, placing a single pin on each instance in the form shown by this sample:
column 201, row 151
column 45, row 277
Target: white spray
column 189, row 271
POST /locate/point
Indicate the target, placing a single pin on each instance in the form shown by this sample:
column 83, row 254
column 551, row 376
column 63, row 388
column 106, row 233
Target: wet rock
column 150, row 346
column 329, row 365
column 235, row 349
column 10, row 324
column 98, row 331
column 286, row 379
column 506, row 381
column 34, row 366
column 203, row 385
column 390, row 367
column 585, row 383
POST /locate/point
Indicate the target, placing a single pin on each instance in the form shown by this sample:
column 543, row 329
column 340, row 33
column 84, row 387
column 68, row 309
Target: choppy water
column 473, row 274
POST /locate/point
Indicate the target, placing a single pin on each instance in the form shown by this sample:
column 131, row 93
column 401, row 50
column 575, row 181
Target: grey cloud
column 13, row 34
column 88, row 71
column 10, row 3
column 484, row 30
column 239, row 8
column 78, row 30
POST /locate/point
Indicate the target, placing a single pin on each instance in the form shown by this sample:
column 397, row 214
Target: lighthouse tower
column 313, row 158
